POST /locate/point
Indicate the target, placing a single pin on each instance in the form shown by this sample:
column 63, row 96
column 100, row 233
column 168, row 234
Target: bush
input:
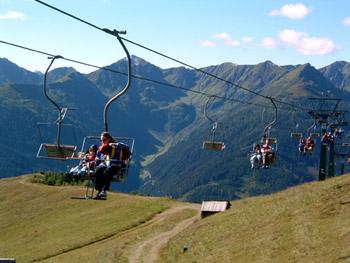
column 56, row 178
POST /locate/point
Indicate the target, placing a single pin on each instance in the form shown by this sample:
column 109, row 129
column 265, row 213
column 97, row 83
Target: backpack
column 120, row 151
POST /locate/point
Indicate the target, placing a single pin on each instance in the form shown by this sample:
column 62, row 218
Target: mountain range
column 169, row 123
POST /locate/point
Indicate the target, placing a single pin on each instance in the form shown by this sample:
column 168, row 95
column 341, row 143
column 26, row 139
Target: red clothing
column 266, row 147
column 91, row 157
column 105, row 149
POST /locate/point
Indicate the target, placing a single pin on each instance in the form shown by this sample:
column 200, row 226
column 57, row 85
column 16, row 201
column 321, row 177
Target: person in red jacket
column 115, row 157
column 267, row 154
column 309, row 145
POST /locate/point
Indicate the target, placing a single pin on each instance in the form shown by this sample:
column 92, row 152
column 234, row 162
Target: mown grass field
column 308, row 223
column 38, row 221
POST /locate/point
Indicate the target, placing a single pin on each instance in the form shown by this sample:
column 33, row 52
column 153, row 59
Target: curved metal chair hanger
column 57, row 150
column 310, row 128
column 262, row 115
column 127, row 85
column 214, row 123
column 268, row 126
column 61, row 111
column 296, row 134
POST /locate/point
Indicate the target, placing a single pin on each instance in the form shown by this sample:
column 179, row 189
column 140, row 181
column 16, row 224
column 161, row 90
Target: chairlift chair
column 55, row 150
column 266, row 139
column 296, row 135
column 125, row 164
column 313, row 135
column 212, row 144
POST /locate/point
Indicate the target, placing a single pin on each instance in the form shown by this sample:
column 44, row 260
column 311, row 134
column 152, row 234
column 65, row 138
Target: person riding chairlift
column 256, row 156
column 114, row 153
column 328, row 137
column 267, row 154
column 87, row 162
column 309, row 144
column 339, row 133
column 302, row 144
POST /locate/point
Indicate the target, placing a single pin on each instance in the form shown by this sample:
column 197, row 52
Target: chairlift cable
column 166, row 56
column 141, row 78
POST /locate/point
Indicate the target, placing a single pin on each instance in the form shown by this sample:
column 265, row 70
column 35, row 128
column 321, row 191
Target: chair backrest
column 270, row 141
column 213, row 145
column 57, row 152
column 315, row 135
column 296, row 135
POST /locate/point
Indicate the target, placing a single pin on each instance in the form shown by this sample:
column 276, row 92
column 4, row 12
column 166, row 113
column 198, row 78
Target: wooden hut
column 213, row 207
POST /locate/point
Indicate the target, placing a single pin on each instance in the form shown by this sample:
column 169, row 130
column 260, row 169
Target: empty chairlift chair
column 213, row 144
column 55, row 150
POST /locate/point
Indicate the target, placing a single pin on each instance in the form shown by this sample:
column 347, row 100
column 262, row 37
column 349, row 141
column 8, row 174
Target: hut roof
column 215, row 206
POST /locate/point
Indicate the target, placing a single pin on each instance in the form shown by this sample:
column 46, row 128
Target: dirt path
column 155, row 243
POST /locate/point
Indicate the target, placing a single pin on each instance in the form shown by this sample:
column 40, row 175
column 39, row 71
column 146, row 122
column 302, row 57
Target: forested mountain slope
column 169, row 123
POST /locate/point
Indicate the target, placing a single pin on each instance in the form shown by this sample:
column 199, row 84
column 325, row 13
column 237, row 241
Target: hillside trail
column 155, row 243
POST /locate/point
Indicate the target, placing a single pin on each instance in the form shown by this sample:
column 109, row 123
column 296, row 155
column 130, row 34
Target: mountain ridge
column 169, row 124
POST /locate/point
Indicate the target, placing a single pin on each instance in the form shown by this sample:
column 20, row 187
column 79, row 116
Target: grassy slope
column 120, row 247
column 308, row 223
column 39, row 221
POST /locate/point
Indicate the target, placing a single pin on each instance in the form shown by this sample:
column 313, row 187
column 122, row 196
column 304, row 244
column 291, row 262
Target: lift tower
column 327, row 111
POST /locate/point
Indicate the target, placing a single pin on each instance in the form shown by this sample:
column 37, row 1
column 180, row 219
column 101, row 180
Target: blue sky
column 199, row 32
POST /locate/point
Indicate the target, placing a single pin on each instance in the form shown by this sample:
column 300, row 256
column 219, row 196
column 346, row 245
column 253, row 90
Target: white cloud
column 208, row 43
column 223, row 36
column 292, row 11
column 227, row 39
column 247, row 39
column 346, row 21
column 269, row 42
column 233, row 43
column 291, row 37
column 306, row 44
column 14, row 15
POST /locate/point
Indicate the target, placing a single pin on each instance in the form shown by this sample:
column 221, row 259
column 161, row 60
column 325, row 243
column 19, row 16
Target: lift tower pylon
column 327, row 111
